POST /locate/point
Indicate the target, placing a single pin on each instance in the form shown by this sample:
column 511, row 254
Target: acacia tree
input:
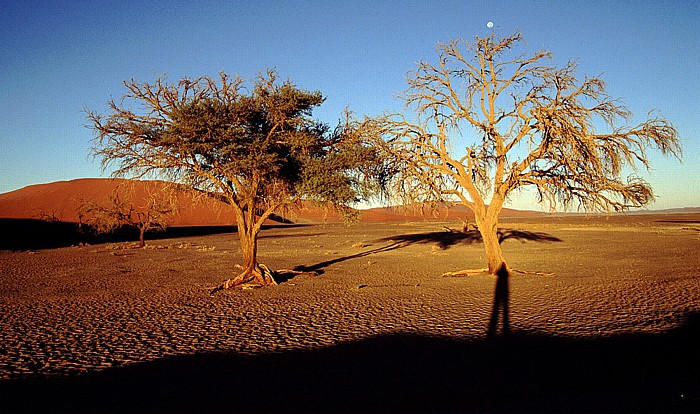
column 487, row 122
column 122, row 208
column 258, row 149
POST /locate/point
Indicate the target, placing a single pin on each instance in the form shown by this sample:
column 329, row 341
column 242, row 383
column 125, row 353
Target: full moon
column 489, row 25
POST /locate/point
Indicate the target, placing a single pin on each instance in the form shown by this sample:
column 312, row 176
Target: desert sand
column 111, row 328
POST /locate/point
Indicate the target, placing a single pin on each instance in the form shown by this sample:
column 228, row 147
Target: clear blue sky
column 59, row 57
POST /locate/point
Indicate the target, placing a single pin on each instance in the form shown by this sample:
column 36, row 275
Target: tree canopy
column 258, row 149
column 485, row 121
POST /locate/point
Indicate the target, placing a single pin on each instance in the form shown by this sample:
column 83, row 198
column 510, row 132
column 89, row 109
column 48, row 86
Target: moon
column 489, row 25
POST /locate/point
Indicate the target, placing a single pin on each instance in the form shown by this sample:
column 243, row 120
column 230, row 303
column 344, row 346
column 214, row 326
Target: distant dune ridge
column 61, row 201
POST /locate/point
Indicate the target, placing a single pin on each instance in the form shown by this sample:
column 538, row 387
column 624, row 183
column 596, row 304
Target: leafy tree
column 484, row 122
column 258, row 149
column 123, row 209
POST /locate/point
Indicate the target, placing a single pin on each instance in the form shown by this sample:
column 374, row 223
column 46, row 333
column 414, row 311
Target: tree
column 122, row 209
column 488, row 122
column 259, row 151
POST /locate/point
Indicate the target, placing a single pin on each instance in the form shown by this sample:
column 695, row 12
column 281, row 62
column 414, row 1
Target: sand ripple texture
column 73, row 310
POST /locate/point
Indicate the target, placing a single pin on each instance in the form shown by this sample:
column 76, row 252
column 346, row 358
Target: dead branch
column 526, row 272
column 469, row 272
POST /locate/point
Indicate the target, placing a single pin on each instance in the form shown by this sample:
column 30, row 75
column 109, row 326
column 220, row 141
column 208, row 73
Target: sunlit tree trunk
column 494, row 254
column 487, row 223
column 253, row 273
column 249, row 250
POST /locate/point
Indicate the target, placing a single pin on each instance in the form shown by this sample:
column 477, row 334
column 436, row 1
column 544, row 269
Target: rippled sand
column 105, row 309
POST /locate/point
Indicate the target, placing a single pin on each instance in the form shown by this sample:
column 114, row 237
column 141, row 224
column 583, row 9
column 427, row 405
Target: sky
column 59, row 58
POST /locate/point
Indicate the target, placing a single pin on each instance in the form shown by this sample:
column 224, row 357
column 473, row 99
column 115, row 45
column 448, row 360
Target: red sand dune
column 61, row 200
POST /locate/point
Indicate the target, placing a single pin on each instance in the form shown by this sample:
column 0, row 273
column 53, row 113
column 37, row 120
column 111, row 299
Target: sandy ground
column 112, row 329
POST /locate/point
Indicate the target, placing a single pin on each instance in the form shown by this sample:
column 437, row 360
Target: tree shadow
column 407, row 373
column 443, row 239
column 525, row 236
column 447, row 239
column 318, row 268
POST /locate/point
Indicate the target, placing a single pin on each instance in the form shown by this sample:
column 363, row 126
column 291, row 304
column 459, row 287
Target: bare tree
column 124, row 208
column 485, row 122
column 258, row 150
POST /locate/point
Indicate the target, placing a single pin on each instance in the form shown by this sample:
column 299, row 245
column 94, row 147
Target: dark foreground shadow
column 33, row 234
column 397, row 374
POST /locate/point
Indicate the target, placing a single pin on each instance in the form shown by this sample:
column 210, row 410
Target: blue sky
column 59, row 57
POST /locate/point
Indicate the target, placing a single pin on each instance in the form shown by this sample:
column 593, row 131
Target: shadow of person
column 501, row 299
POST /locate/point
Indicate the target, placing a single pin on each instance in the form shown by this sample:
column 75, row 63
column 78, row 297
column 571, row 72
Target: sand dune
column 61, row 201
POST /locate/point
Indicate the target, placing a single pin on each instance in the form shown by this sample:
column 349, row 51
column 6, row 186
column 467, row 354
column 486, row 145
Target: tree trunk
column 494, row 254
column 142, row 233
column 489, row 233
column 251, row 270
column 254, row 274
